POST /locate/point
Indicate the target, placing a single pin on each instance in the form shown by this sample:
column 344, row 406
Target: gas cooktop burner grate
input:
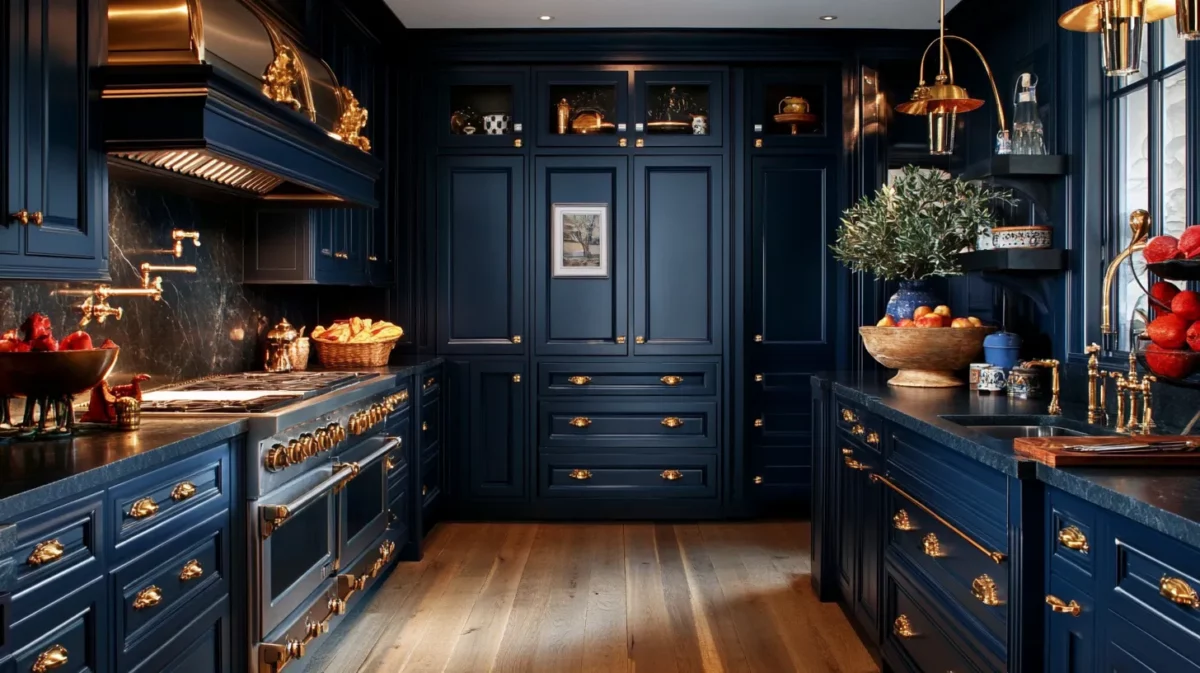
column 281, row 390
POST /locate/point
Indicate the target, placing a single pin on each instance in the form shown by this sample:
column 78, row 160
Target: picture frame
column 579, row 236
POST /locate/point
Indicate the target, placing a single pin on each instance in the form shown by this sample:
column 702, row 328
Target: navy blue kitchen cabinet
column 305, row 247
column 481, row 241
column 431, row 458
column 678, row 260
column 582, row 316
column 494, row 437
column 54, row 197
column 596, row 112
column 819, row 87
column 790, row 324
column 679, row 108
column 483, row 108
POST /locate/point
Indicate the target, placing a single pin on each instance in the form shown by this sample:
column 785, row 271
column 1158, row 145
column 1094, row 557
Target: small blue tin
column 1002, row 349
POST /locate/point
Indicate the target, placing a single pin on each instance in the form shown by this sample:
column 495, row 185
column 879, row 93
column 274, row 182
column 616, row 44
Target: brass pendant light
column 1121, row 24
column 943, row 101
column 1187, row 18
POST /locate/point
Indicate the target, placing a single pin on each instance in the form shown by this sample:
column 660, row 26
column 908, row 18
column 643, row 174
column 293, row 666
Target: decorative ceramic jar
column 976, row 369
column 794, row 105
column 1037, row 237
column 496, row 124
column 992, row 380
column 1002, row 349
column 700, row 125
column 912, row 294
column 1027, row 383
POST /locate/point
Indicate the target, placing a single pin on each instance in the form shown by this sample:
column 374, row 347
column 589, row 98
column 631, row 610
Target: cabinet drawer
column 203, row 646
column 398, row 508
column 951, row 563
column 1157, row 584
column 431, row 384
column 69, row 632
column 915, row 630
column 1070, row 630
column 57, row 551
column 156, row 588
column 431, row 480
column 1133, row 650
column 141, row 507
column 1071, row 536
column 850, row 415
column 970, row 495
column 628, row 424
column 626, row 476
column 397, row 468
column 668, row 378
column 430, row 430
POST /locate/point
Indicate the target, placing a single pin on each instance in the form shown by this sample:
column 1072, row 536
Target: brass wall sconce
column 1121, row 24
column 943, row 101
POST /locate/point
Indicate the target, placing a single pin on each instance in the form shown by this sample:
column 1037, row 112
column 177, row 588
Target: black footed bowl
column 54, row 375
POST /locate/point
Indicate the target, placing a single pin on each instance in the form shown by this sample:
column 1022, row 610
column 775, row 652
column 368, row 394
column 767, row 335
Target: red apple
column 1189, row 242
column 1186, row 305
column 1161, row 249
column 930, row 320
column 921, row 311
column 887, row 321
column 1193, row 336
column 76, row 341
column 943, row 311
column 961, row 323
column 1168, row 331
column 1161, row 294
column 1171, row 364
column 906, row 323
column 44, row 343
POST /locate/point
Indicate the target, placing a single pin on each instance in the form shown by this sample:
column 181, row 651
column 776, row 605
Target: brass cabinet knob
column 758, row 378
column 858, row 431
column 873, row 438
column 848, row 416
column 1178, row 591
column 46, row 552
column 671, row 380
column 758, row 481
column 182, row 491
column 191, row 570
column 641, row 142
column 20, row 217
column 621, row 339
column 579, row 380
column 639, row 340
column 902, row 627
column 672, row 422
column 516, row 378
column 429, row 383
column 424, row 426
column 147, row 598
column 758, row 143
column 424, row 489
column 901, row 521
column 984, row 588
column 758, row 422
column 758, row 338
column 1058, row 605
column 1074, row 539
column 55, row 657
column 580, row 475
column 847, row 452
column 931, row 546
column 671, row 475
column 372, row 258
column 516, row 339
column 623, row 143
column 276, row 458
column 146, row 507
column 580, row 422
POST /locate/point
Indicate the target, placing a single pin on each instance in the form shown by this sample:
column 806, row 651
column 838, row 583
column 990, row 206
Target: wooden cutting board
column 1049, row 450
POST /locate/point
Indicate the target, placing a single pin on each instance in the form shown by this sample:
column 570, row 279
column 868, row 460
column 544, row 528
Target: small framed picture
column 579, row 236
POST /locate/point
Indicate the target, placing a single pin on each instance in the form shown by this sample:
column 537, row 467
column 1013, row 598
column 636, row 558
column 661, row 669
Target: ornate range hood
column 213, row 92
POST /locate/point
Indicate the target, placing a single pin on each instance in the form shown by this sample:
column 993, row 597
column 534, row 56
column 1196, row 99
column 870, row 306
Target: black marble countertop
column 1167, row 500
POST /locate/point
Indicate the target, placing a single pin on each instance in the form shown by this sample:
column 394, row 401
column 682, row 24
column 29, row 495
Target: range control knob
column 324, row 441
column 276, row 459
column 308, row 445
column 294, row 452
column 338, row 432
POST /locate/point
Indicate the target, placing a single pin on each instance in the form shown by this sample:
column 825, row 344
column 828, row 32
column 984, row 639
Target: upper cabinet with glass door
column 483, row 108
column 679, row 108
column 583, row 108
column 795, row 108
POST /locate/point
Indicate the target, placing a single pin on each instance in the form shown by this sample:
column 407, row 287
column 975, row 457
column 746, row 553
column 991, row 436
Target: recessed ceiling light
column 829, row 17
column 545, row 17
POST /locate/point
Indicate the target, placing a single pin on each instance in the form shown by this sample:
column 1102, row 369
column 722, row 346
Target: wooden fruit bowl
column 54, row 375
column 925, row 357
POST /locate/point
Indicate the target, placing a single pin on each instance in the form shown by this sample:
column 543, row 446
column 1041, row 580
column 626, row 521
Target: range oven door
column 298, row 538
column 364, row 498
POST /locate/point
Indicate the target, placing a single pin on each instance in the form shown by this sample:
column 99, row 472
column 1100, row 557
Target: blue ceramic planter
column 912, row 293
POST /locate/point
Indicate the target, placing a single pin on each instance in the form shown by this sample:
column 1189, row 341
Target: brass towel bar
column 996, row 556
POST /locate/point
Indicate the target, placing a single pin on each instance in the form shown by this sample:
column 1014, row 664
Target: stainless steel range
column 318, row 469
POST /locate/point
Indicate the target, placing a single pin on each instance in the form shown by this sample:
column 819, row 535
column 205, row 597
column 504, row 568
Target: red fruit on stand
column 1169, row 363
column 1161, row 294
column 1193, row 336
column 1186, row 305
column 1161, row 249
column 931, row 320
column 1189, row 242
column 108, row 344
column 35, row 327
column 76, row 341
column 1168, row 331
column 44, row 343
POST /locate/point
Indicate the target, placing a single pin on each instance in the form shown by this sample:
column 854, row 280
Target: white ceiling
column 897, row 14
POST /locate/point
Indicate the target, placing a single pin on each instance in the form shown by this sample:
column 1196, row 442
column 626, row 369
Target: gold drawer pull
column 758, row 422
column 424, row 426
column 931, row 546
column 672, row 422
column 858, row 430
column 580, row 475
column 671, row 475
column 46, row 552
column 671, row 380
column 516, row 339
column 1178, row 592
column 997, row 557
column 902, row 522
column 143, row 508
column 854, row 464
column 639, row 340
column 873, row 438
column 848, row 416
column 390, row 463
column 579, row 380
column 191, row 570
column 984, row 588
column 55, row 657
column 580, row 422
column 1073, row 538
column 847, row 452
column 1058, row 605
column 903, row 628
column 183, row 491
column 147, row 598
column 429, row 382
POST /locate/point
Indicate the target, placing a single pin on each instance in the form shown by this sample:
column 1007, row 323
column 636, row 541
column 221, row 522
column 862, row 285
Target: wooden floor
column 596, row 598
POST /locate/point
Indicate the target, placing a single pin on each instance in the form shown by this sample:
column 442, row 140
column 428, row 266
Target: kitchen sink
column 1015, row 431
column 1012, row 427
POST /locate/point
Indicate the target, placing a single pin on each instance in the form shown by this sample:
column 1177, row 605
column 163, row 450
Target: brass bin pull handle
column 55, row 657
column 183, row 491
column 580, row 422
column 902, row 627
column 46, row 552
column 901, row 521
column 671, row 475
column 855, row 465
column 1179, row 592
column 580, row 475
column 1062, row 607
column 579, row 380
column 147, row 598
column 671, row 380
column 1074, row 539
column 146, row 507
column 191, row 570
column 997, row 557
column 672, row 422
column 984, row 588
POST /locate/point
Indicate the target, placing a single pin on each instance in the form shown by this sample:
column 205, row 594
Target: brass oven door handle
column 55, row 657
column 997, row 557
column 274, row 516
column 390, row 444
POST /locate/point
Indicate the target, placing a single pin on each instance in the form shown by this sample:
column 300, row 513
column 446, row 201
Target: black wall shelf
column 1018, row 166
column 1016, row 260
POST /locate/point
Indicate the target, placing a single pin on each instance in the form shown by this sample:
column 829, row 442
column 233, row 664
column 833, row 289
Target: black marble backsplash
column 208, row 322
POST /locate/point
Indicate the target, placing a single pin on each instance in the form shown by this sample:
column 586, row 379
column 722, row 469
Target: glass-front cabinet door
column 583, row 108
column 794, row 108
column 679, row 108
column 483, row 108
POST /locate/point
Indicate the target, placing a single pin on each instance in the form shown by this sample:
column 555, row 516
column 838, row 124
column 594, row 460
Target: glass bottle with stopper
column 1028, row 134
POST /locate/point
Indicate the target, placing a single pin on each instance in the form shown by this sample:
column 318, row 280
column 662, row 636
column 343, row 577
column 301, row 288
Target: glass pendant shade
column 1121, row 45
column 1187, row 18
column 1121, row 24
column 942, row 125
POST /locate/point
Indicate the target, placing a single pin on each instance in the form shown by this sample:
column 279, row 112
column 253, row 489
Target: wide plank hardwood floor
column 595, row 598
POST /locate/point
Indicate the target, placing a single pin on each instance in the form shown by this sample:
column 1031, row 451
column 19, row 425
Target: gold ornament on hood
column 282, row 76
column 352, row 121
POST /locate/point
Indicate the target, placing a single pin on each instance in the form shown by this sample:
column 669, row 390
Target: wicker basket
column 352, row 355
